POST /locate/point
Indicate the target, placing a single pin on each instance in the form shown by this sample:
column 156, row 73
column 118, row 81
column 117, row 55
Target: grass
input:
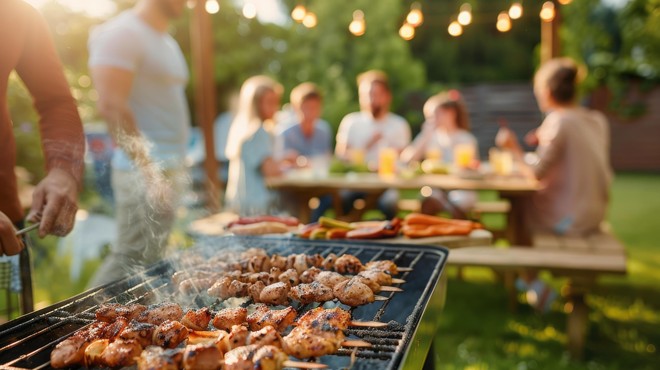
column 478, row 332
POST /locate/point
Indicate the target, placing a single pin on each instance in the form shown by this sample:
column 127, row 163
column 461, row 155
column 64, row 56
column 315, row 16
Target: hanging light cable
column 516, row 10
column 415, row 17
column 465, row 14
column 357, row 26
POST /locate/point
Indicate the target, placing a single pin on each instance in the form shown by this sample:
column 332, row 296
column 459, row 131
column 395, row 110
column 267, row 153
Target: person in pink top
column 572, row 164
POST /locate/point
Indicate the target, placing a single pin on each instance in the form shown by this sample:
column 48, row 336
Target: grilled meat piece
column 380, row 277
column 142, row 332
column 348, row 264
column 236, row 338
column 353, row 293
column 383, row 265
column 258, row 263
column 255, row 290
column 169, row 334
column 94, row 352
column 159, row 313
column 290, row 277
column 330, row 278
column 157, row 358
column 121, row 353
column 279, row 319
column 328, row 263
column 276, row 294
column 309, row 275
column 255, row 357
column 202, row 357
column 109, row 312
column 194, row 285
column 228, row 317
column 227, row 288
column 314, row 292
column 315, row 260
column 197, row 319
column 297, row 262
column 71, row 351
column 335, row 317
column 278, row 261
column 114, row 329
column 306, row 342
column 374, row 286
column 265, row 336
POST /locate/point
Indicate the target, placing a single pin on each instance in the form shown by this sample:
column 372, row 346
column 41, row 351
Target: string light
column 565, row 2
column 358, row 25
column 503, row 22
column 407, row 31
column 298, row 13
column 249, row 11
column 547, row 11
column 212, row 6
column 310, row 20
column 455, row 29
column 515, row 11
column 415, row 16
column 465, row 14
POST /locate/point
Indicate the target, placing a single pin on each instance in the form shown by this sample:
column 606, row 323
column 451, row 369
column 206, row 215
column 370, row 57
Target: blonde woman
column 447, row 125
column 250, row 148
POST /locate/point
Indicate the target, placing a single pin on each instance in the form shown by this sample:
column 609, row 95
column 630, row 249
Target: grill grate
column 26, row 343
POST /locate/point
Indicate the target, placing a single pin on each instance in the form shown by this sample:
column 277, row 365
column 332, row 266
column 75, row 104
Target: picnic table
column 304, row 188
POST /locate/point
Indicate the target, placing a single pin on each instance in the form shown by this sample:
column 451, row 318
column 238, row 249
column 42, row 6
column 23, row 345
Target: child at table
column 572, row 168
column 250, row 148
column 447, row 126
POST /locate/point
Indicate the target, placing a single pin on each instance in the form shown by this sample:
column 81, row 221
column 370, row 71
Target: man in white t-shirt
column 140, row 74
column 371, row 129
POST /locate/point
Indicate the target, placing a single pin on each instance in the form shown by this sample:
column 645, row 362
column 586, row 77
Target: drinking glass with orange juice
column 463, row 155
column 357, row 156
column 433, row 154
column 387, row 158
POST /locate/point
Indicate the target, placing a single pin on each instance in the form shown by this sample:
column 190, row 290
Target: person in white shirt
column 371, row 129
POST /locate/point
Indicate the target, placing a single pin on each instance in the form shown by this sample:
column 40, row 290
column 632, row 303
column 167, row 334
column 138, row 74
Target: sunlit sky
column 271, row 11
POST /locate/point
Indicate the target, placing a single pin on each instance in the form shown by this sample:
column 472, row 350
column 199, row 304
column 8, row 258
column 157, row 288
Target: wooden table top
column 373, row 182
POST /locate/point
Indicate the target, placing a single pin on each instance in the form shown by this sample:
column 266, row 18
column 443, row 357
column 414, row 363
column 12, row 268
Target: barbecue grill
column 411, row 315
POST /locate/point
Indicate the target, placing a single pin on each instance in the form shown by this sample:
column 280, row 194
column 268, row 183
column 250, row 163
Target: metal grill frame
column 404, row 344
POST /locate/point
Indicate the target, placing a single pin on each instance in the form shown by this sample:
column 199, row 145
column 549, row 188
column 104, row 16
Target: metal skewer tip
column 27, row 229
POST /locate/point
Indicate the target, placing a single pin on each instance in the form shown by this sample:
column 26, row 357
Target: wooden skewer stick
column 304, row 365
column 390, row 289
column 398, row 281
column 355, row 343
column 368, row 324
column 404, row 269
column 380, row 298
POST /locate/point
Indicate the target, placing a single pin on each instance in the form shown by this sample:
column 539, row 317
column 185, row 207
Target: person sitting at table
column 447, row 126
column 572, row 167
column 308, row 137
column 368, row 131
column 250, row 148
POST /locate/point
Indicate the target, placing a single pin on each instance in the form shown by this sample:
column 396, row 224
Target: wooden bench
column 581, row 260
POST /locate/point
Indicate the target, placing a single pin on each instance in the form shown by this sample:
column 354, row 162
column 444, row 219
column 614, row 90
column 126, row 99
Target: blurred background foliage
column 619, row 46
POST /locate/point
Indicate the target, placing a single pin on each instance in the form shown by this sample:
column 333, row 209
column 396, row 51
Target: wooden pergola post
column 550, row 47
column 205, row 96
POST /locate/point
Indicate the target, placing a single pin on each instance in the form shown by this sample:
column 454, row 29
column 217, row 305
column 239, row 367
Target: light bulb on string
column 212, row 6
column 565, row 2
column 465, row 14
column 407, row 31
column 503, row 22
column 298, row 13
column 357, row 26
column 310, row 20
column 415, row 17
column 515, row 11
column 190, row 4
column 547, row 13
column 249, row 11
column 455, row 29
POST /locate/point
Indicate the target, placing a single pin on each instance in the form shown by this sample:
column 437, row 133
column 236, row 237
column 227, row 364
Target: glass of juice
column 387, row 162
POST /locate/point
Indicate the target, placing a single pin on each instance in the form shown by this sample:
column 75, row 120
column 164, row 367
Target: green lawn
column 478, row 332
column 476, row 329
